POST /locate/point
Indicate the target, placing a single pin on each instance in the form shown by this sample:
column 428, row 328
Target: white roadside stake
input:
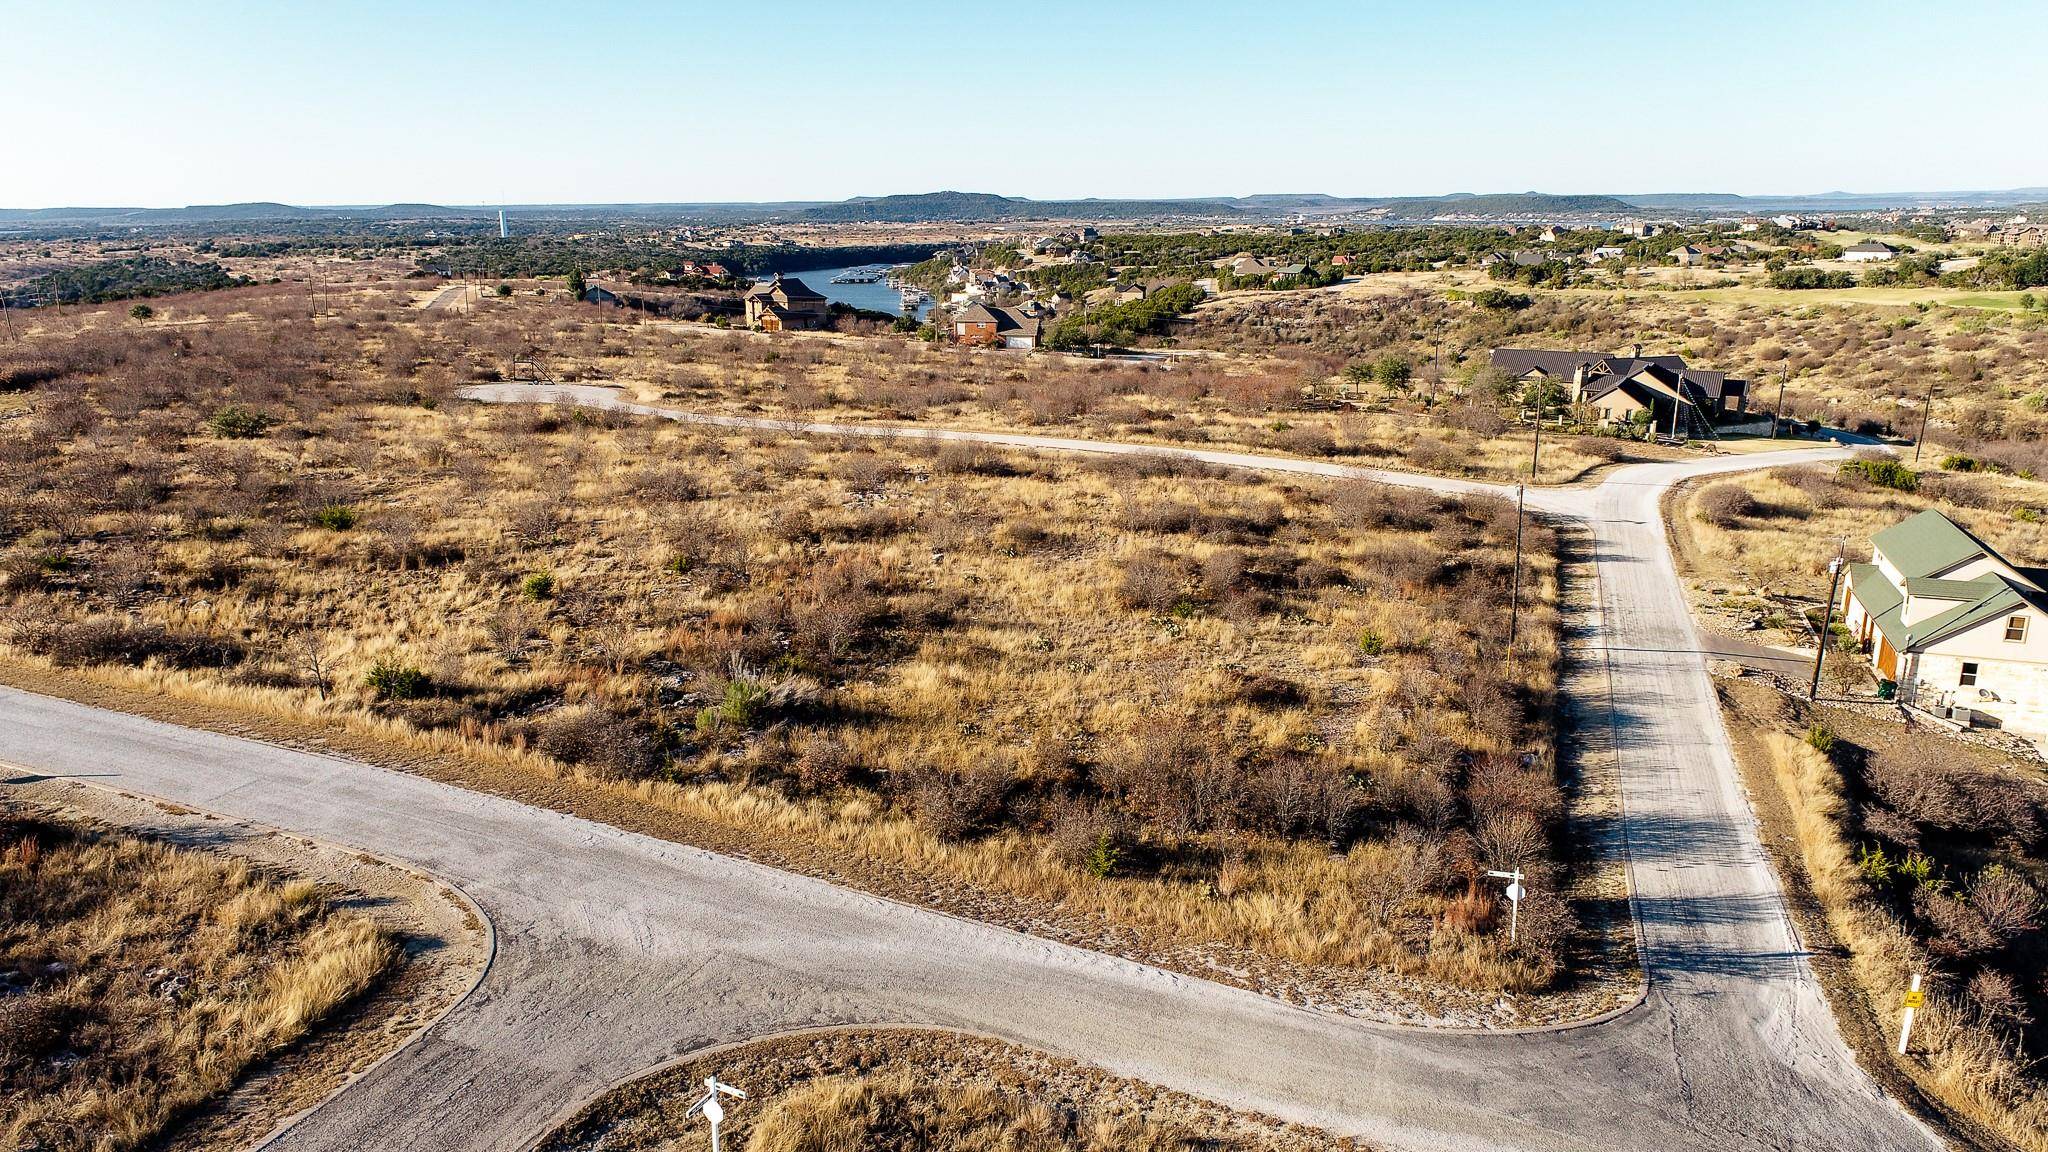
column 711, row 1108
column 1914, row 999
column 1514, row 893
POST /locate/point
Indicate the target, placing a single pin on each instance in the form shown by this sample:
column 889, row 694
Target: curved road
column 617, row 951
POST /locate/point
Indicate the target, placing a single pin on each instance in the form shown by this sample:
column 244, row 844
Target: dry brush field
column 1194, row 715
column 1865, row 367
column 139, row 981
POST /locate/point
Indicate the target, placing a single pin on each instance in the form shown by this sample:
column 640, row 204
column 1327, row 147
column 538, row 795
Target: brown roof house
column 786, row 304
column 1612, row 389
column 988, row 325
column 1962, row 632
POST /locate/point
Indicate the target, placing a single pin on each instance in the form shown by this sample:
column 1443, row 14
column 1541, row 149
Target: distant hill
column 254, row 212
column 960, row 206
column 1725, row 202
column 1500, row 204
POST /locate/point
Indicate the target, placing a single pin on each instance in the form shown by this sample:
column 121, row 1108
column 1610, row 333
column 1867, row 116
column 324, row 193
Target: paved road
column 617, row 951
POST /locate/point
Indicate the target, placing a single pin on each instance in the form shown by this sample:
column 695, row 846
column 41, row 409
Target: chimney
column 1578, row 382
column 1636, row 350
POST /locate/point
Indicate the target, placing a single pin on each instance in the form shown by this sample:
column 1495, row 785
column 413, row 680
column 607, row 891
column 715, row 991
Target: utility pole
column 1778, row 413
column 1827, row 621
column 1926, row 407
column 1536, row 449
column 1515, row 586
column 1436, row 384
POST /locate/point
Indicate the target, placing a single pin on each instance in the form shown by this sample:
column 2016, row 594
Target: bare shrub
column 2008, row 904
column 1149, row 583
column 1726, row 505
column 594, row 738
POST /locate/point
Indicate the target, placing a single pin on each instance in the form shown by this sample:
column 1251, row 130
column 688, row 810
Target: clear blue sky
column 198, row 102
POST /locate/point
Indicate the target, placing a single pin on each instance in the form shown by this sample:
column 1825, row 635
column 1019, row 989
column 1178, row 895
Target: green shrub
column 235, row 422
column 1102, row 858
column 1875, row 865
column 1501, row 300
column 1883, row 473
column 394, row 681
column 1957, row 462
column 1822, row 738
column 538, row 586
column 739, row 709
column 335, row 517
column 504, row 289
column 1371, row 643
column 142, row 312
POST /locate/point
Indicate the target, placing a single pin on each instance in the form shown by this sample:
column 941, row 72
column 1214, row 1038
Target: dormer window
column 2016, row 629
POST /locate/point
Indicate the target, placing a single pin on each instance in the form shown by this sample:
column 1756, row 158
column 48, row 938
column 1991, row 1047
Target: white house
column 1868, row 251
column 1960, row 630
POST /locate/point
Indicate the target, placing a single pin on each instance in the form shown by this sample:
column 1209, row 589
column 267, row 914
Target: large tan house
column 986, row 324
column 1611, row 389
column 786, row 304
column 1959, row 629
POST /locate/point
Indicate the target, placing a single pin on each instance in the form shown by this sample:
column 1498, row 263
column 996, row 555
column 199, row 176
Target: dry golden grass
column 892, row 1113
column 1964, row 1065
column 144, row 980
column 1144, row 696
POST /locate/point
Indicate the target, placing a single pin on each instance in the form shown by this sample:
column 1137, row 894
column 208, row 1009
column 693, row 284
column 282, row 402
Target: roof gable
column 1928, row 544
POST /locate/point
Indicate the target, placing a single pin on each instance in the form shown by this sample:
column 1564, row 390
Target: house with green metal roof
column 1959, row 629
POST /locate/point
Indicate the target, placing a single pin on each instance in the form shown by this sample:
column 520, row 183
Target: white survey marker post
column 708, row 1104
column 1914, row 999
column 1514, row 893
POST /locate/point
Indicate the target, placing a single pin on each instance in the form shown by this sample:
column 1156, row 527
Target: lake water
column 877, row 297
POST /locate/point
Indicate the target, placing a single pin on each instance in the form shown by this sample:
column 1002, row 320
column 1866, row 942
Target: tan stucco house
column 1957, row 627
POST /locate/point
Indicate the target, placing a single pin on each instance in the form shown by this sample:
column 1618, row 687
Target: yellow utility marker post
column 1914, row 999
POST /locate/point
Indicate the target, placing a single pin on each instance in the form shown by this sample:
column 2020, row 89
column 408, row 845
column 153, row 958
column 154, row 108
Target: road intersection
column 617, row 951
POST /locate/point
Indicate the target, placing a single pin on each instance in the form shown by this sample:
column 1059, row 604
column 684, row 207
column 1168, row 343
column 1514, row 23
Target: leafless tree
column 312, row 657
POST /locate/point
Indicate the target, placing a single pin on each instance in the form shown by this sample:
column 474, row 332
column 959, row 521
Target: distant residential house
column 1341, row 260
column 1676, row 399
column 786, row 304
column 1688, row 256
column 983, row 324
column 1605, row 253
column 1550, row 235
column 1790, row 223
column 1960, row 630
column 1640, row 229
column 1868, row 251
column 595, row 295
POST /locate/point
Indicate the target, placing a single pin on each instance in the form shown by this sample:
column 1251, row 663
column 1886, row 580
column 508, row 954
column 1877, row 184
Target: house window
column 1969, row 677
column 2016, row 628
